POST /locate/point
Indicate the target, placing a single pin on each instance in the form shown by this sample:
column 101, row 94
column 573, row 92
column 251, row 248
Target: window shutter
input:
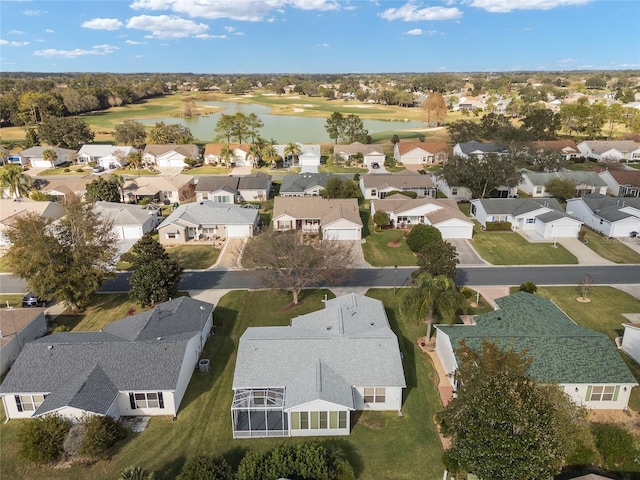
column 615, row 393
column 18, row 403
column 588, row 393
column 132, row 401
column 160, row 400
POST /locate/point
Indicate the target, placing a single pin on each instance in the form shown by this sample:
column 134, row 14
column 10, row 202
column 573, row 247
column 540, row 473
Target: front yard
column 381, row 445
column 189, row 257
column 611, row 249
column 385, row 248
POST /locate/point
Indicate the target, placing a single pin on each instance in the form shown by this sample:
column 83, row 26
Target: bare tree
column 285, row 260
column 586, row 282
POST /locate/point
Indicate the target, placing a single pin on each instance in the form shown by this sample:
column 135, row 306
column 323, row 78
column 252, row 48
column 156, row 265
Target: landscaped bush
column 381, row 218
column 62, row 328
column 100, row 434
column 42, row 438
column 421, row 236
column 206, row 467
column 498, row 227
column 615, row 444
column 528, row 287
column 135, row 473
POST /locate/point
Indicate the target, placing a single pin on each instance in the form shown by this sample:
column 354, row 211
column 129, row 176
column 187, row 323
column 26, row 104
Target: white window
column 318, row 420
column 601, row 393
column 146, row 400
column 539, row 189
column 531, row 220
column 221, row 198
column 374, row 395
column 28, row 403
column 454, row 190
column 172, row 234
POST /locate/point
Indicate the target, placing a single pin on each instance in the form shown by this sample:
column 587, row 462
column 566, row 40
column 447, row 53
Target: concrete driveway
column 231, row 255
column 466, row 253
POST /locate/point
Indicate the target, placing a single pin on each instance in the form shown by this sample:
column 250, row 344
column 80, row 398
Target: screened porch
column 259, row 412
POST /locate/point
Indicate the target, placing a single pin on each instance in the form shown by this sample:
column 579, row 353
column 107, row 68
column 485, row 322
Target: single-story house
column 308, row 159
column 420, row 153
column 337, row 218
column 34, row 157
column 208, row 220
column 444, row 214
column 246, row 188
column 11, row 209
column 458, row 193
column 545, row 217
column 140, row 365
column 239, row 156
column 130, row 221
column 534, row 183
column 631, row 340
column 470, row 104
column 478, row 149
column 371, row 153
column 622, row 183
column 584, row 363
column 169, row 155
column 610, row 150
column 567, row 148
column 108, row 156
column 611, row 216
column 17, row 327
column 378, row 185
column 63, row 188
column 307, row 379
column 304, row 184
column 159, row 189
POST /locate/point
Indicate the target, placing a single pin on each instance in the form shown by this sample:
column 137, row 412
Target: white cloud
column 230, row 29
column 133, row 42
column 13, row 44
column 504, row 6
column 34, row 13
column 95, row 50
column 16, row 32
column 167, row 26
column 103, row 24
column 48, row 30
column 322, row 45
column 410, row 12
column 415, row 31
column 567, row 60
column 244, row 10
column 206, row 36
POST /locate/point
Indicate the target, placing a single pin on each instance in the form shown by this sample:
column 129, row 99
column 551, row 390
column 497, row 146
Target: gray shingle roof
column 211, row 213
column 397, row 180
column 213, row 183
column 123, row 213
column 470, row 147
column 562, row 351
column 299, row 183
column 579, row 178
column 609, row 207
column 322, row 354
column 517, row 206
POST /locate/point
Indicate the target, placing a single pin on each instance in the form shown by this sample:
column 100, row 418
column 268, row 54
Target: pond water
column 282, row 128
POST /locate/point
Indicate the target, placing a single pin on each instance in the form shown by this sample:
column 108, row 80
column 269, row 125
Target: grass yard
column 341, row 169
column 510, row 248
column 194, row 257
column 9, row 299
column 209, row 170
column 611, row 249
column 376, row 250
column 381, row 445
column 603, row 314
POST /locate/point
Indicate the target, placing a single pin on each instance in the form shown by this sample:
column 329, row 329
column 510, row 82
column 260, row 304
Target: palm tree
column 292, row 150
column 269, row 152
column 119, row 179
column 135, row 160
column 255, row 154
column 12, row 177
column 50, row 154
column 135, row 473
column 431, row 296
column 226, row 154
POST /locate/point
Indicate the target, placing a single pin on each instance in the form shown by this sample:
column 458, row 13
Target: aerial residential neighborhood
column 321, row 273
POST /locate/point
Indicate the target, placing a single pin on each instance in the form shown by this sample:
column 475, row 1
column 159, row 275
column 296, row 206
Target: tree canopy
column 162, row 133
column 438, row 258
column 339, row 188
column 130, row 132
column 482, row 176
column 105, row 190
column 67, row 132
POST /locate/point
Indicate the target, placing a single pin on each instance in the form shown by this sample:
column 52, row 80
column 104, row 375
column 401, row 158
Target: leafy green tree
column 162, row 133
column 105, row 190
column 482, row 176
column 435, row 108
column 100, row 434
column 540, row 159
column 134, row 160
column 541, row 124
column 432, row 296
column 77, row 253
column 561, row 189
column 226, row 154
column 224, row 128
column 254, row 124
column 130, row 132
column 67, row 132
column 41, row 439
column 381, row 218
column 30, row 138
column 421, row 236
column 462, row 131
column 501, row 424
column 334, row 126
column 339, row 188
column 353, row 129
column 438, row 258
column 15, row 180
column 206, row 467
column 156, row 276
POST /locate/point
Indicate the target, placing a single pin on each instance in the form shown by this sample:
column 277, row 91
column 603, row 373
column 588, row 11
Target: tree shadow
column 170, row 469
column 407, row 351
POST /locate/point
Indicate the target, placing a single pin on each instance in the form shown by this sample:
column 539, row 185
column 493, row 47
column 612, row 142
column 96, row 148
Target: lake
column 282, row 128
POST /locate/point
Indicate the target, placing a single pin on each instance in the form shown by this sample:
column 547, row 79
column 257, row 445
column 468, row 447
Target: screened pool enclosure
column 259, row 412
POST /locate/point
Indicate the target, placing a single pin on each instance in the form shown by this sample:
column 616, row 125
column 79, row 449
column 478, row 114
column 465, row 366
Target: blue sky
column 318, row 36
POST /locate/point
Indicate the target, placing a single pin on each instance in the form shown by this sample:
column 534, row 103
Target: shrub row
column 498, row 227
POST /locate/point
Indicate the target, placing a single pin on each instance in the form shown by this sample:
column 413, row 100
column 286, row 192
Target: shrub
column 101, row 433
column 498, row 227
column 615, row 444
column 528, row 287
column 381, row 218
column 67, row 170
column 42, row 438
column 421, row 236
column 62, row 328
column 135, row 473
column 206, row 467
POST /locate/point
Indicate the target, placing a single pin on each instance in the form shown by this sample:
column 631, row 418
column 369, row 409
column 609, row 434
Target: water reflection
column 282, row 128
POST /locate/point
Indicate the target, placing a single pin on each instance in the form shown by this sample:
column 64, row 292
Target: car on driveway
column 32, row 300
column 375, row 165
column 97, row 169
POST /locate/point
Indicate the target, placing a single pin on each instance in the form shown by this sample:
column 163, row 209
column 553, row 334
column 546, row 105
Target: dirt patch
column 583, row 300
column 372, row 421
column 629, row 419
column 393, row 244
column 289, row 306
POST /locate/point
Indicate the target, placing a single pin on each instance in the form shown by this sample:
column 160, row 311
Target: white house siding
column 623, row 228
column 171, row 160
column 455, row 228
column 129, row 232
column 10, row 350
column 392, row 395
column 444, row 351
column 239, row 231
column 557, row 229
column 342, row 230
column 631, row 341
column 252, row 195
column 164, row 235
column 284, row 222
column 11, row 408
column 124, row 404
column 581, row 394
column 313, row 409
column 41, row 163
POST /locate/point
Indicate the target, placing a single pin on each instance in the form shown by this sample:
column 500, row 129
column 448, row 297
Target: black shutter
column 132, row 401
column 160, row 400
column 19, row 403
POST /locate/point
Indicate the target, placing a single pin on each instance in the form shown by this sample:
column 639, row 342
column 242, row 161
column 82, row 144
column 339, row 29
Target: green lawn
column 381, row 445
column 341, row 169
column 376, row 250
column 510, row 248
column 603, row 314
column 209, row 170
column 611, row 249
column 14, row 300
column 190, row 257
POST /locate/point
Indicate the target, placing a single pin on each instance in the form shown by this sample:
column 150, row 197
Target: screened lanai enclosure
column 259, row 412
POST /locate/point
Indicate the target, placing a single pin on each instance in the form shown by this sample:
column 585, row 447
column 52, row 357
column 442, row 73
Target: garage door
column 456, row 232
column 557, row 231
column 131, row 233
column 342, row 234
column 237, row 231
column 171, row 163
